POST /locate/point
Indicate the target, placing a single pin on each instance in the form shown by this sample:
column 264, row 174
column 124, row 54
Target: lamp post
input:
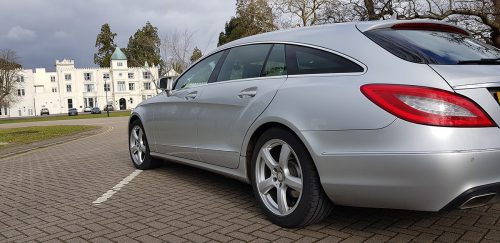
column 106, row 91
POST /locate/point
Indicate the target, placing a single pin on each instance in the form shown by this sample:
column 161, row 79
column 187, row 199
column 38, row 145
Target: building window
column 88, row 102
column 20, row 78
column 54, row 90
column 67, row 77
column 146, row 75
column 89, row 88
column 70, row 103
column 121, row 86
column 20, row 92
column 147, row 86
column 107, row 87
column 131, row 86
column 105, row 75
column 130, row 75
column 53, row 79
column 143, row 98
column 87, row 76
column 68, row 88
column 119, row 64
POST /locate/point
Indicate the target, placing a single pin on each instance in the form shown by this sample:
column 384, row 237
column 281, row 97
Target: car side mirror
column 166, row 84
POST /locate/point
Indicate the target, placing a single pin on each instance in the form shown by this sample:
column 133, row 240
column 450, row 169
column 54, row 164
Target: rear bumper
column 406, row 166
column 477, row 196
column 426, row 182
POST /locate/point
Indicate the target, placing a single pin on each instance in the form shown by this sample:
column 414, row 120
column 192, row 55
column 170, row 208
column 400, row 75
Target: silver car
column 385, row 114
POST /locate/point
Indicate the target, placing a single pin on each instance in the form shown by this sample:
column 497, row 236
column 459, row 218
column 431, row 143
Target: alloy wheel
column 137, row 145
column 279, row 177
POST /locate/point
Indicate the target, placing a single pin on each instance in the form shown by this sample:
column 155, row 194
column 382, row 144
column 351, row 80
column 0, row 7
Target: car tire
column 283, row 158
column 139, row 148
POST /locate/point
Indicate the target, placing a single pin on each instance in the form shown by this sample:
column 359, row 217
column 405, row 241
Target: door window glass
column 276, row 64
column 244, row 62
column 305, row 60
column 200, row 73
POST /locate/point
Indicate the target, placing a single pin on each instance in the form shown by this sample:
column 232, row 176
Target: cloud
column 68, row 29
column 61, row 34
column 18, row 33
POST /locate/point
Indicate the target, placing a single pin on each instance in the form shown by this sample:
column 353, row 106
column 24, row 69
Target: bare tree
column 176, row 50
column 9, row 69
column 481, row 17
column 300, row 12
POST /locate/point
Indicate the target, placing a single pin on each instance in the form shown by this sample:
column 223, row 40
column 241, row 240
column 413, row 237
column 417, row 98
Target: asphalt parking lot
column 88, row 190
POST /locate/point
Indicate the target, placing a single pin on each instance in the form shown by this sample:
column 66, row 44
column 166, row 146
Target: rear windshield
column 432, row 47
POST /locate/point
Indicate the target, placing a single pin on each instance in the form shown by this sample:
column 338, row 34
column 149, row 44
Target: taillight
column 428, row 106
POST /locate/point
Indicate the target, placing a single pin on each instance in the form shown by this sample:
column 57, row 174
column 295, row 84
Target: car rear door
column 247, row 82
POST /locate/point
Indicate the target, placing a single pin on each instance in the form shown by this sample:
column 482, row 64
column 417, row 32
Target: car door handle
column 191, row 96
column 248, row 93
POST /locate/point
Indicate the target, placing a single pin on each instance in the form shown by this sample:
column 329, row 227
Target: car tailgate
column 480, row 83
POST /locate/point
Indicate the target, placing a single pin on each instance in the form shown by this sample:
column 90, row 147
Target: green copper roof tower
column 118, row 55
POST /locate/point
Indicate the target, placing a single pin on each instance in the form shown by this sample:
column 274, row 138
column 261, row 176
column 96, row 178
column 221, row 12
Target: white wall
column 39, row 88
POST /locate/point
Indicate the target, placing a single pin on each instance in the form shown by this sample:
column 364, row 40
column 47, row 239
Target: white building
column 70, row 87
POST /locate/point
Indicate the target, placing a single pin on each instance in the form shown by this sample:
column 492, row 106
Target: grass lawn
column 65, row 117
column 26, row 135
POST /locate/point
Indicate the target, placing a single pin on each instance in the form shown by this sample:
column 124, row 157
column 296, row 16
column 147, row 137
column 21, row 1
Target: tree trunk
column 370, row 10
column 495, row 31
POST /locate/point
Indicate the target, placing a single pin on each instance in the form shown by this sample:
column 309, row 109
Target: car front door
column 245, row 85
column 175, row 114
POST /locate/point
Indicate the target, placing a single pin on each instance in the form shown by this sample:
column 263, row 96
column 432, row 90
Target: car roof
column 310, row 34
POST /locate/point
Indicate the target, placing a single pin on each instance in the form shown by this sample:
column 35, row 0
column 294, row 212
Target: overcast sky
column 41, row 31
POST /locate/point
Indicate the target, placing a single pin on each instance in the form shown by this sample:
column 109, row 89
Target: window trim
column 215, row 72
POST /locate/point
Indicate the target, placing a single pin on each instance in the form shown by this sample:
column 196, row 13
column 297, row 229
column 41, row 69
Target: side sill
column 238, row 173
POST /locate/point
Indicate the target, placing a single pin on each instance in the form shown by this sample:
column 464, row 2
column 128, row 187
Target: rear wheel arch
column 256, row 135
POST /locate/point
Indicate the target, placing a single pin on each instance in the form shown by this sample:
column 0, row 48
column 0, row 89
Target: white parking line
column 116, row 188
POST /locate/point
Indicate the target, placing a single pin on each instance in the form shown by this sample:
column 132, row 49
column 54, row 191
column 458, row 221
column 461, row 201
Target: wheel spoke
column 134, row 149
column 134, row 133
column 266, row 185
column 140, row 134
column 293, row 182
column 284, row 155
column 282, row 204
column 142, row 148
column 139, row 156
column 266, row 156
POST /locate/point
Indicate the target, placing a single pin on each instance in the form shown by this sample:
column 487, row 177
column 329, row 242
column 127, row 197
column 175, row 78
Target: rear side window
column 244, row 62
column 305, row 60
column 432, row 47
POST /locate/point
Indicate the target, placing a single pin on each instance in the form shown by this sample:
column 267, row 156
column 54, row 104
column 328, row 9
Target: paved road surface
column 48, row 195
